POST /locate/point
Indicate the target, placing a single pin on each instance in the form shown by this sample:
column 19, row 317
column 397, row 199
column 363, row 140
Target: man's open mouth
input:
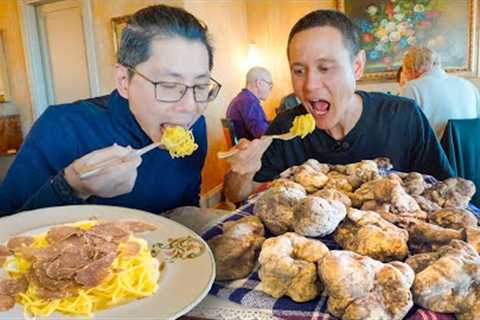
column 319, row 107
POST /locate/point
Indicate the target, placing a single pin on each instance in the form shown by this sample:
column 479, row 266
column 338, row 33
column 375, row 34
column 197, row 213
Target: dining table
column 241, row 299
column 212, row 307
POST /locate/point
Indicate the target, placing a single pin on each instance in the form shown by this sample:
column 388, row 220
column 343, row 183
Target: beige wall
column 14, row 54
column 103, row 12
column 269, row 23
column 17, row 73
column 226, row 21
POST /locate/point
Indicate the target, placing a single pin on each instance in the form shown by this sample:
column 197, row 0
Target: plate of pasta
column 100, row 262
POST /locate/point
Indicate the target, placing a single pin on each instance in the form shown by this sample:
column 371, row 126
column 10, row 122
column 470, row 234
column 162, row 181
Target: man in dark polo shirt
column 325, row 62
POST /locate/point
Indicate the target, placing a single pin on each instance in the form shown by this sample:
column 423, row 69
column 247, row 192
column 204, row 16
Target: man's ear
column 359, row 64
column 257, row 84
column 121, row 80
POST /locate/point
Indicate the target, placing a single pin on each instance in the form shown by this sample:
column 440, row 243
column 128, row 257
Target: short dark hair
column 335, row 19
column 157, row 21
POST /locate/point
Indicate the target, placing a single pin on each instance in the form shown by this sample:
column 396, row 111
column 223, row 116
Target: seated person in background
column 440, row 96
column 325, row 61
column 245, row 110
column 288, row 102
column 162, row 79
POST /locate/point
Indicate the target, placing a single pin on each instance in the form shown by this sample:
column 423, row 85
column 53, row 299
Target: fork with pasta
column 177, row 140
column 302, row 126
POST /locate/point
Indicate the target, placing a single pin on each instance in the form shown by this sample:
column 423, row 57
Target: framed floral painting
column 4, row 83
column 389, row 27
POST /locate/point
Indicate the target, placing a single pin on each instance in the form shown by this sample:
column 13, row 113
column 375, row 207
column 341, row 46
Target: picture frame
column 4, row 77
column 118, row 23
column 389, row 27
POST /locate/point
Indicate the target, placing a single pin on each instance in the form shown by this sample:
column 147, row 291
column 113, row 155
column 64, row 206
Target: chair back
column 461, row 142
column 229, row 132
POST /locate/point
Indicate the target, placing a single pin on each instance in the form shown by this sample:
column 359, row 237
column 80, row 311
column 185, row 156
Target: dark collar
column 250, row 94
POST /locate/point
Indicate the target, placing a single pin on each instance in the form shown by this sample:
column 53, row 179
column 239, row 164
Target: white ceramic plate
column 183, row 283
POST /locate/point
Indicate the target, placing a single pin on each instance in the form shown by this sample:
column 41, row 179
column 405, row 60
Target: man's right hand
column 248, row 159
column 109, row 182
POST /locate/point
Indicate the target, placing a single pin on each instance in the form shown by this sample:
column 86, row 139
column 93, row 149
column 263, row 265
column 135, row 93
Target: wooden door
column 64, row 51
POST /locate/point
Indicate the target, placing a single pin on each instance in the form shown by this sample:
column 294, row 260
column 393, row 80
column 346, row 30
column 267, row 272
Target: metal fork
column 234, row 150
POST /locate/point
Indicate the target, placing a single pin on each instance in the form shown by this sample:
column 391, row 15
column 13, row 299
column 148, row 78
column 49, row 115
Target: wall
column 269, row 23
column 14, row 54
column 17, row 73
column 226, row 20
column 103, row 12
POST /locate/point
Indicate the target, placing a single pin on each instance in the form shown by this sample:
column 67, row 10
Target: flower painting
column 389, row 27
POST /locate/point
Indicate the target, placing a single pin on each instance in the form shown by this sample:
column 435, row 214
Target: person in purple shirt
column 245, row 110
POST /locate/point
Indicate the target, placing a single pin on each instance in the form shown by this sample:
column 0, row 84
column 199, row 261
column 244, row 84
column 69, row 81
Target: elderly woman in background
column 440, row 96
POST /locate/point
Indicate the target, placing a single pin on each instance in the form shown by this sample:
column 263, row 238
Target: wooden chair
column 231, row 139
column 229, row 132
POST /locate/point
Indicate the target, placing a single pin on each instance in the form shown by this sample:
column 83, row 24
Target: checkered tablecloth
column 246, row 292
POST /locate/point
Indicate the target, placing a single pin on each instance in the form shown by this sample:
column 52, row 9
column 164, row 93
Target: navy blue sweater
column 67, row 132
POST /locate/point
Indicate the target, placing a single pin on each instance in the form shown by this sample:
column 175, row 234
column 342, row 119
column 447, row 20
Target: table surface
column 212, row 307
column 201, row 220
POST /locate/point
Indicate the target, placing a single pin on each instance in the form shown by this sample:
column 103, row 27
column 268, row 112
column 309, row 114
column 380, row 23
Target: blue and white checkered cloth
column 246, row 292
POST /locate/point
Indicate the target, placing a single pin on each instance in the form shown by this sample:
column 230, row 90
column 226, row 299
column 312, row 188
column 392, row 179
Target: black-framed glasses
column 175, row 91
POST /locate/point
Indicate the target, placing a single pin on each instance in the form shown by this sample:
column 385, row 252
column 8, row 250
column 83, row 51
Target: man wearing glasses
column 162, row 79
column 245, row 110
